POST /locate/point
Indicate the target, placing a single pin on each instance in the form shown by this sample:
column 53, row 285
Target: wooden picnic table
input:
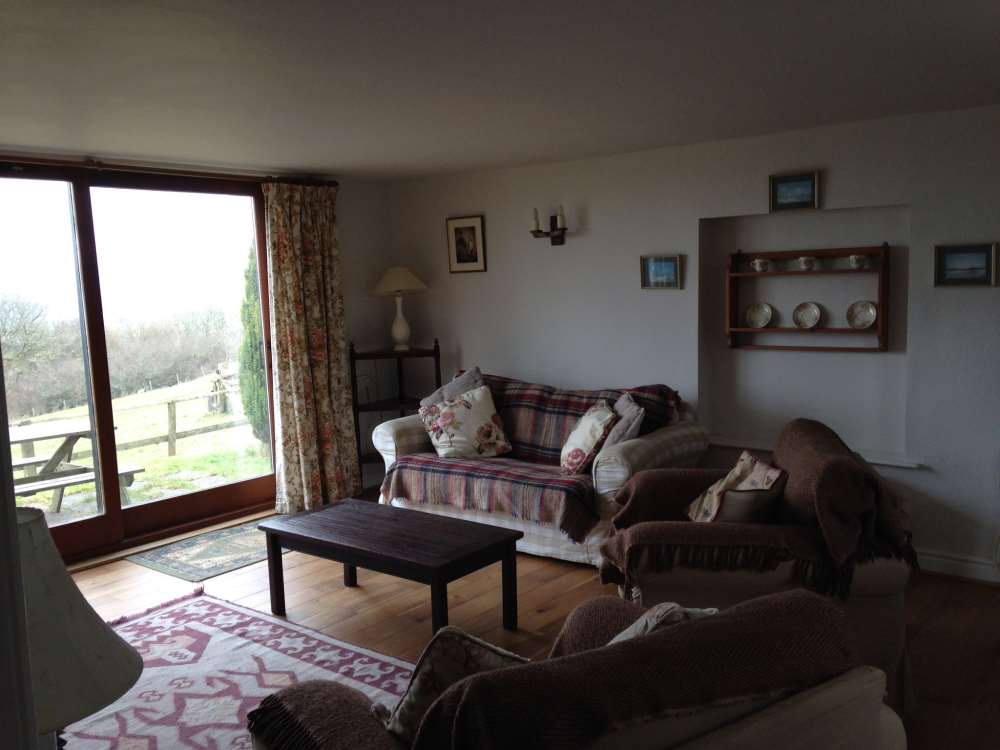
column 57, row 471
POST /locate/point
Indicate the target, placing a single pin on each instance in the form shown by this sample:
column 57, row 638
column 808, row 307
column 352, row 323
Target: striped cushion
column 538, row 418
column 527, row 491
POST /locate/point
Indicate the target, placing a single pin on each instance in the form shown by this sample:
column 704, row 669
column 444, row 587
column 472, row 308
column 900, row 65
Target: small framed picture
column 466, row 244
column 790, row 191
column 660, row 271
column 966, row 265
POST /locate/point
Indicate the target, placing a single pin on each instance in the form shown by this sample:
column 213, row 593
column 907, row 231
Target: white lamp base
column 400, row 328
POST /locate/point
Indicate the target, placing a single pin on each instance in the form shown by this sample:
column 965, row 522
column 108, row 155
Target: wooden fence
column 216, row 400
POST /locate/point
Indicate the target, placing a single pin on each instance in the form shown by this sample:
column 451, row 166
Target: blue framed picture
column 790, row 191
column 660, row 271
column 966, row 265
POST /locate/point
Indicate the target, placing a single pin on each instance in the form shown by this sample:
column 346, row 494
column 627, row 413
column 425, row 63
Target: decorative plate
column 758, row 315
column 807, row 315
column 862, row 314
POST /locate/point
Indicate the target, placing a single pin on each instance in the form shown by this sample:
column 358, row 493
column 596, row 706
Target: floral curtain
column 316, row 460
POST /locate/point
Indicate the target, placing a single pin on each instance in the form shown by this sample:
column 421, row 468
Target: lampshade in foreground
column 398, row 280
column 78, row 663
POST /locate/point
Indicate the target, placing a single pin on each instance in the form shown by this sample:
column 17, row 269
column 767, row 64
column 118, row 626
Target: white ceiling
column 381, row 88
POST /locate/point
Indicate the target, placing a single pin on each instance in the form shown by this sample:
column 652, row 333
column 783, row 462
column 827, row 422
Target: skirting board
column 958, row 566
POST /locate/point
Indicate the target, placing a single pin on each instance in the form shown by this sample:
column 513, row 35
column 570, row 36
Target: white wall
column 363, row 234
column 574, row 315
column 745, row 395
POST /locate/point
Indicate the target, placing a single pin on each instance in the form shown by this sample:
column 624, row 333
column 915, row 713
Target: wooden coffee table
column 404, row 543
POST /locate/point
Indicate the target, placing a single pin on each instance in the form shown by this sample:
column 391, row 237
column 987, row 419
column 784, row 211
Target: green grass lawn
column 202, row 461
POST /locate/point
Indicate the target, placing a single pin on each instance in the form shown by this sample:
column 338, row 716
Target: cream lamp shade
column 399, row 280
column 78, row 663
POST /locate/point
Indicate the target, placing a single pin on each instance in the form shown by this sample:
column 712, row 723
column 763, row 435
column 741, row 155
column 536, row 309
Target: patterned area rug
column 208, row 555
column 208, row 663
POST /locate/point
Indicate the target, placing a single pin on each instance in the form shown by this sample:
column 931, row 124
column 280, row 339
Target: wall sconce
column 557, row 228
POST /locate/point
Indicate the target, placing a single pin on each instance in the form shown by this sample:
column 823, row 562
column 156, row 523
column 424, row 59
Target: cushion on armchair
column 450, row 656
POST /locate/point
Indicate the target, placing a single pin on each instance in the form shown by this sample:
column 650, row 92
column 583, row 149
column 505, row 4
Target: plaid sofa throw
column 527, row 491
column 538, row 418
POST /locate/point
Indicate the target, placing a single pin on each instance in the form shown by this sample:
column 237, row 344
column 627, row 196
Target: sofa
column 565, row 517
column 838, row 530
column 776, row 672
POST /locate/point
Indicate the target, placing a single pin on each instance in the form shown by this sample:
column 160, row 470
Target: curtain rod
column 102, row 166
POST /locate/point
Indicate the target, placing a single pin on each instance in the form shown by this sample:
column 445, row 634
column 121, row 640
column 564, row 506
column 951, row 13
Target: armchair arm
column 659, row 546
column 662, row 495
column 678, row 444
column 400, row 437
column 593, row 624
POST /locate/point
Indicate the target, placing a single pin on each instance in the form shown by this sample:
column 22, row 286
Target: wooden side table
column 402, row 403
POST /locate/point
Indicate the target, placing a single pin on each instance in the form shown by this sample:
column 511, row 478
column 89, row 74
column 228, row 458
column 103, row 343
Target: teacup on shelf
column 858, row 261
column 760, row 265
column 807, row 263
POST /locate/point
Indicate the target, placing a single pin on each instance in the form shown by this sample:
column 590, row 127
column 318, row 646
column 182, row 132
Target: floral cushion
column 450, row 656
column 466, row 426
column 587, row 438
column 747, row 494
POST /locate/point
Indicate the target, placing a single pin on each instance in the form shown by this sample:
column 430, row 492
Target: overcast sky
column 159, row 253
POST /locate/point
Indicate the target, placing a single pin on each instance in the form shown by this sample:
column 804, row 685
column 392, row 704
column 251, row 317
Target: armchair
column 798, row 686
column 840, row 532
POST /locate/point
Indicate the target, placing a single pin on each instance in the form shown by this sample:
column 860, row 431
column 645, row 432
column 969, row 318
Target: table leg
column 439, row 605
column 275, row 574
column 350, row 575
column 509, row 564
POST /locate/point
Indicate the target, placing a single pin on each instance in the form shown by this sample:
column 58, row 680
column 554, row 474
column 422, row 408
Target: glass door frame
column 117, row 527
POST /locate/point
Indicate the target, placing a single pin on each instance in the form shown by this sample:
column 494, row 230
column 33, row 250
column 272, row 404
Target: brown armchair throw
column 840, row 531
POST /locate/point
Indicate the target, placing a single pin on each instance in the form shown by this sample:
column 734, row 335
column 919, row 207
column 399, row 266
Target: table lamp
column 398, row 281
column 78, row 663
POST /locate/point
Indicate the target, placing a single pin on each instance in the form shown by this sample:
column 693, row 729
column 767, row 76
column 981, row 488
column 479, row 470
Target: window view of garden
column 185, row 354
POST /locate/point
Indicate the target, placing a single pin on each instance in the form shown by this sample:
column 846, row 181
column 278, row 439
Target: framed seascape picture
column 966, row 265
column 660, row 271
column 466, row 244
column 790, row 191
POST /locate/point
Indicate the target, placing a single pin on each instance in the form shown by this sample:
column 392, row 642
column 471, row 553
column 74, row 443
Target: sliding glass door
column 131, row 325
column 44, row 346
column 181, row 304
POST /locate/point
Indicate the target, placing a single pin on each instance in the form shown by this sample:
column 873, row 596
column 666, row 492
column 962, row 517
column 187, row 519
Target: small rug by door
column 208, row 663
column 208, row 555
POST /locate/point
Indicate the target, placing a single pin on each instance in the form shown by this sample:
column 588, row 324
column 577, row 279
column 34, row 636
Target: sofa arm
column 679, row 444
column 400, row 437
column 593, row 624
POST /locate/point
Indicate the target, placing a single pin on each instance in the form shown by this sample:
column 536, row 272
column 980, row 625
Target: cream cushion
column 587, row 438
column 466, row 426
column 750, row 475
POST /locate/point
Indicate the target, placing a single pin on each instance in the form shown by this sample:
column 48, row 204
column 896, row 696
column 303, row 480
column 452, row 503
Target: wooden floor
column 954, row 626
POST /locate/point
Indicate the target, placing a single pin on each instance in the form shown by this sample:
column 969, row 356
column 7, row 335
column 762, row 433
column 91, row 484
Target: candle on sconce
column 560, row 219
column 537, row 227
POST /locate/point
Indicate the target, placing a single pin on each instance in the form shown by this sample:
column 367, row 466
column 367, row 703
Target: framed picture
column 466, row 244
column 966, row 265
column 660, row 271
column 790, row 191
